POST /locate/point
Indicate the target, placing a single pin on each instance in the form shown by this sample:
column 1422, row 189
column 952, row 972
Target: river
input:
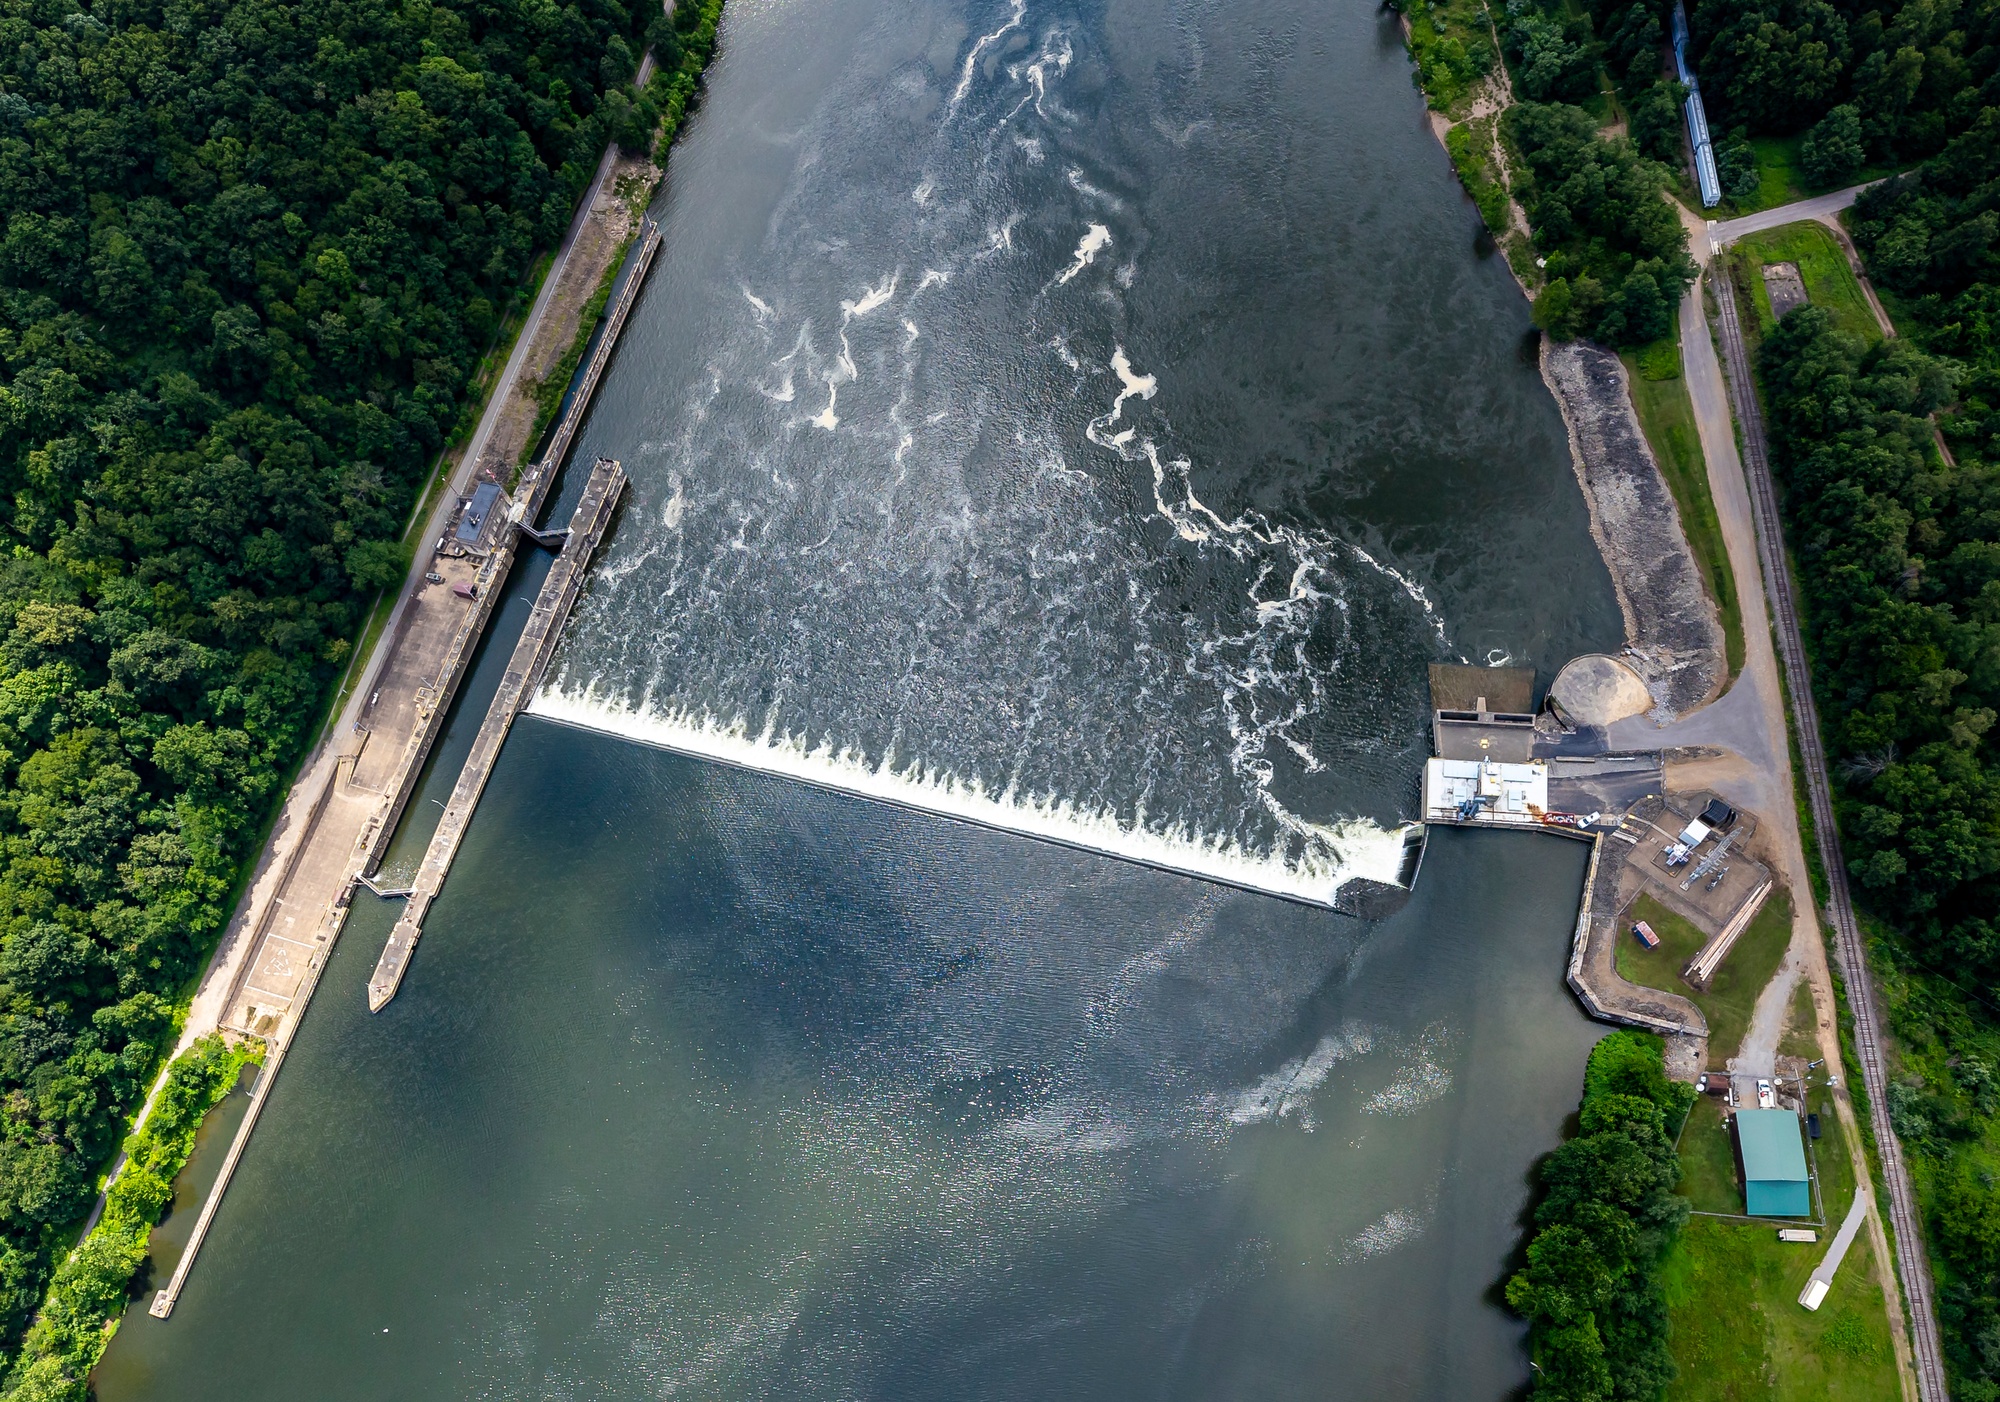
column 1098, row 418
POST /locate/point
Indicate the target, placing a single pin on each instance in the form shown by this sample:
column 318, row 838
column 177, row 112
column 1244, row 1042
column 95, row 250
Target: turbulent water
column 1081, row 420
column 1007, row 476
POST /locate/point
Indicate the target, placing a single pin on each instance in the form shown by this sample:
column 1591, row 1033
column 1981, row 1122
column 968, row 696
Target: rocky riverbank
column 1672, row 634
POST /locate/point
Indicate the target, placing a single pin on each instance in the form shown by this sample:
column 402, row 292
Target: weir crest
column 1331, row 863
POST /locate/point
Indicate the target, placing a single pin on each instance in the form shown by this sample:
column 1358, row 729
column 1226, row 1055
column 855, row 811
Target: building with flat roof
column 480, row 519
column 1775, row 1183
column 1473, row 791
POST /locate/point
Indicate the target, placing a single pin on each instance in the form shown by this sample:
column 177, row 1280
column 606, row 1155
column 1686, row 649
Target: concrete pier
column 524, row 670
column 359, row 789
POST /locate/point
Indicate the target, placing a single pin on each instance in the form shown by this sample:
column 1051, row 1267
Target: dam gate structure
column 290, row 935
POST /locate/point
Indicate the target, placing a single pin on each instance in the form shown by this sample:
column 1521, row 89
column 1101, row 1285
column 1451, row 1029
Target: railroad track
column 1911, row 1261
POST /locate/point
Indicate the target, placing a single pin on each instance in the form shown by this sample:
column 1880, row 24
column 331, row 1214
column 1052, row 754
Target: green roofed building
column 1774, row 1164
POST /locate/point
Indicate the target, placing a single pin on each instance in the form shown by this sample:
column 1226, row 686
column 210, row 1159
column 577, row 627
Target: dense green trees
column 89, row 1289
column 1832, row 153
column 1655, row 125
column 1553, row 57
column 1590, row 1290
column 249, row 255
column 1914, row 71
column 1617, row 254
column 1898, row 554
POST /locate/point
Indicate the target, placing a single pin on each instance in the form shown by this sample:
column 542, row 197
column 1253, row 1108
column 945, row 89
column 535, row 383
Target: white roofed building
column 1485, row 791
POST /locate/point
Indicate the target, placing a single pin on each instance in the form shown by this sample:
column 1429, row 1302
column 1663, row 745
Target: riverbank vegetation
column 89, row 1290
column 1613, row 258
column 1617, row 260
column 252, row 255
column 1893, row 547
column 1451, row 42
column 1608, row 1213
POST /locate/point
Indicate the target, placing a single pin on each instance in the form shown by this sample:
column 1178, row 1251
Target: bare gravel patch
column 1673, row 637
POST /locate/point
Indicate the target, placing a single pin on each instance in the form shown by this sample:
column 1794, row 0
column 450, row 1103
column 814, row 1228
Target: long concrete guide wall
column 524, row 670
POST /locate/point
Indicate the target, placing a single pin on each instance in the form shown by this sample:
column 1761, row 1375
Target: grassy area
column 1802, row 1025
column 1708, row 1160
column 1779, row 179
column 1829, row 279
column 1471, row 148
column 1660, row 397
column 550, row 388
column 1732, row 1293
column 1453, row 48
column 1733, row 993
column 1831, row 1162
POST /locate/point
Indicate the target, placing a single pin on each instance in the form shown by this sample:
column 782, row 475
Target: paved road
column 1848, row 947
column 1820, row 207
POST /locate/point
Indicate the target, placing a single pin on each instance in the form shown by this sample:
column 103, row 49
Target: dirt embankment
column 607, row 227
column 1672, row 634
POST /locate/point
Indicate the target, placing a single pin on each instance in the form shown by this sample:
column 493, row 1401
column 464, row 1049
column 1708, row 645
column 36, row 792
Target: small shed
column 1774, row 1164
column 1643, row 933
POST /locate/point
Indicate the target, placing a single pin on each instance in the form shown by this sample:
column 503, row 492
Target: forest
column 1890, row 459
column 1607, row 1214
column 253, row 254
column 1898, row 554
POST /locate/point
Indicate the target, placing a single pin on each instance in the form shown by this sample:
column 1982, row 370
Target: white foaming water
column 1335, row 855
column 985, row 42
column 1288, row 1090
column 1055, row 53
column 1095, row 240
column 967, row 530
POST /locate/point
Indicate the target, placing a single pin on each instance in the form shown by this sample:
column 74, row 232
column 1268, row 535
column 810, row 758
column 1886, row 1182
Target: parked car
column 433, row 578
column 1767, row 1099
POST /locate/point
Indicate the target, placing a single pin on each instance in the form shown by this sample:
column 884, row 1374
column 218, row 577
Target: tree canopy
column 1617, row 257
column 1914, row 71
column 1608, row 1212
column 1898, row 553
column 250, row 254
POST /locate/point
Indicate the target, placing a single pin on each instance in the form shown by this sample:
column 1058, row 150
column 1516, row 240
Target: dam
column 706, row 1080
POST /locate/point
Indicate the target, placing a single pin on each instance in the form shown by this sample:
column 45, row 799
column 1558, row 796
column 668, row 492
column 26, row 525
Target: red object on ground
column 1644, row 934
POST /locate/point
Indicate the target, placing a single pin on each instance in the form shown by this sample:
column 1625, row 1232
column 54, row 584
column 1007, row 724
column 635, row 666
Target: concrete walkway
column 1857, row 1213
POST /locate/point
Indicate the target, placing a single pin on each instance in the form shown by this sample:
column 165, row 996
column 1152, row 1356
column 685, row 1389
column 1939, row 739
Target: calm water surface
column 791, row 1096
column 1104, row 405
